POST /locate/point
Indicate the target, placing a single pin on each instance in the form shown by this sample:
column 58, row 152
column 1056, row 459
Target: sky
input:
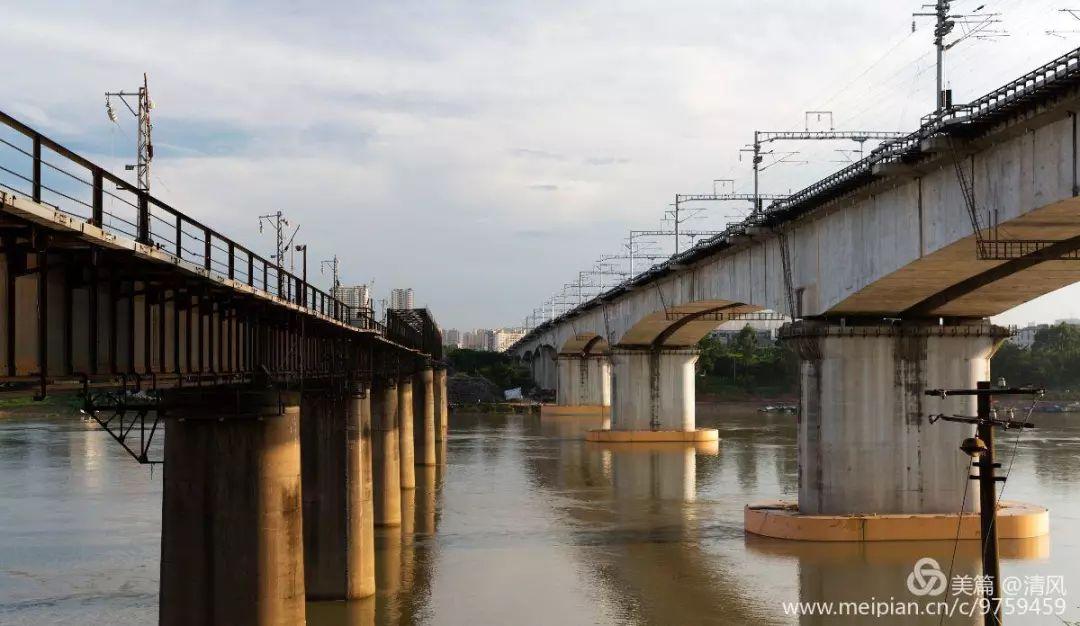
column 484, row 152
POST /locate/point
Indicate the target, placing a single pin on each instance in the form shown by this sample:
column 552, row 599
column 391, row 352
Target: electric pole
column 762, row 137
column 974, row 24
column 334, row 276
column 981, row 449
column 144, row 143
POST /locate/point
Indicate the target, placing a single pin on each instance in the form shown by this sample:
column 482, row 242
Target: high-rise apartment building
column 401, row 299
column 356, row 297
column 452, row 338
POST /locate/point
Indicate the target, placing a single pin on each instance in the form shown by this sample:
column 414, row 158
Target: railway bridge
column 888, row 272
column 287, row 416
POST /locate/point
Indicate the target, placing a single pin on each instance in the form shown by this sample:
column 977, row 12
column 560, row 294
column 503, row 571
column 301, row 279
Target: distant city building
column 452, row 338
column 356, row 297
column 484, row 339
column 479, row 339
column 505, row 337
column 401, row 299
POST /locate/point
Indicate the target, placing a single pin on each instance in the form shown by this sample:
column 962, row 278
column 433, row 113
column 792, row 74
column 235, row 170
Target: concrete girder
column 895, row 241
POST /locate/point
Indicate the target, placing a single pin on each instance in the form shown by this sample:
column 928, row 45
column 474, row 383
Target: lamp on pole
column 302, row 249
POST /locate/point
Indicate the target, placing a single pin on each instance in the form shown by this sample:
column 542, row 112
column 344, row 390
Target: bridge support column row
column 269, row 497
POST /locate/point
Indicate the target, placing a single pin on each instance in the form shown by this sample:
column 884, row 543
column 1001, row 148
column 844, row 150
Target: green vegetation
column 502, row 370
column 746, row 367
column 1052, row 361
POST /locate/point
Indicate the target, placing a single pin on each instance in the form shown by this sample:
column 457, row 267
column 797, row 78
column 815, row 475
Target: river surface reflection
column 521, row 523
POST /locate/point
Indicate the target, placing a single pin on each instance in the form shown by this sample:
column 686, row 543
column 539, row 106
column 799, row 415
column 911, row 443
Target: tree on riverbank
column 1052, row 361
column 501, row 369
column 746, row 365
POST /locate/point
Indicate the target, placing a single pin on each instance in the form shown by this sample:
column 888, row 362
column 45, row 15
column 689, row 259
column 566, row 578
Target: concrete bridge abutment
column 653, row 396
column 232, row 523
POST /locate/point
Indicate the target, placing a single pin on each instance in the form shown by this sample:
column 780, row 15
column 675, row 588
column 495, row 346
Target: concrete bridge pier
column 424, row 416
column 442, row 405
column 653, row 396
column 335, row 432
column 385, row 451
column 868, row 456
column 865, row 442
column 583, row 384
column 231, row 537
column 407, row 447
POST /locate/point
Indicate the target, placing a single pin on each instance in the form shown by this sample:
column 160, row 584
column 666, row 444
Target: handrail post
column 36, row 191
column 251, row 269
column 207, row 252
column 232, row 260
column 179, row 237
column 97, row 218
column 144, row 218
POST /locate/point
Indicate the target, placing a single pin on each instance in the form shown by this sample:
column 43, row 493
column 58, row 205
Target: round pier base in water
column 653, row 436
column 782, row 520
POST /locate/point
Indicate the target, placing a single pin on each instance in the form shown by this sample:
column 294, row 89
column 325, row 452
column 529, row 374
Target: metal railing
column 48, row 173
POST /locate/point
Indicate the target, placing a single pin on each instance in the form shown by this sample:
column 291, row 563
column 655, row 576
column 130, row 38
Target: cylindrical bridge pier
column 231, row 537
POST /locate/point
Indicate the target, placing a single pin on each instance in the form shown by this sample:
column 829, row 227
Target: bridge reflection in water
column 644, row 533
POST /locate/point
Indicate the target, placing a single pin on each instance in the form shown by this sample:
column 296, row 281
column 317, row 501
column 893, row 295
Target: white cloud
column 416, row 139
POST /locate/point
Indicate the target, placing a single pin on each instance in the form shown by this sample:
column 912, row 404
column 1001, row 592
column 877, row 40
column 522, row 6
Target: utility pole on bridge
column 144, row 144
column 972, row 25
column 279, row 223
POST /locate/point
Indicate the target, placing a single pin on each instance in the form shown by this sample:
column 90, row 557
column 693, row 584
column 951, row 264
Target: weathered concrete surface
column 385, row 453
column 865, row 441
column 360, row 548
column 541, row 362
column 424, row 416
column 442, row 405
column 654, row 389
column 323, row 455
column 231, row 537
column 335, row 451
column 583, row 380
column 406, row 445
